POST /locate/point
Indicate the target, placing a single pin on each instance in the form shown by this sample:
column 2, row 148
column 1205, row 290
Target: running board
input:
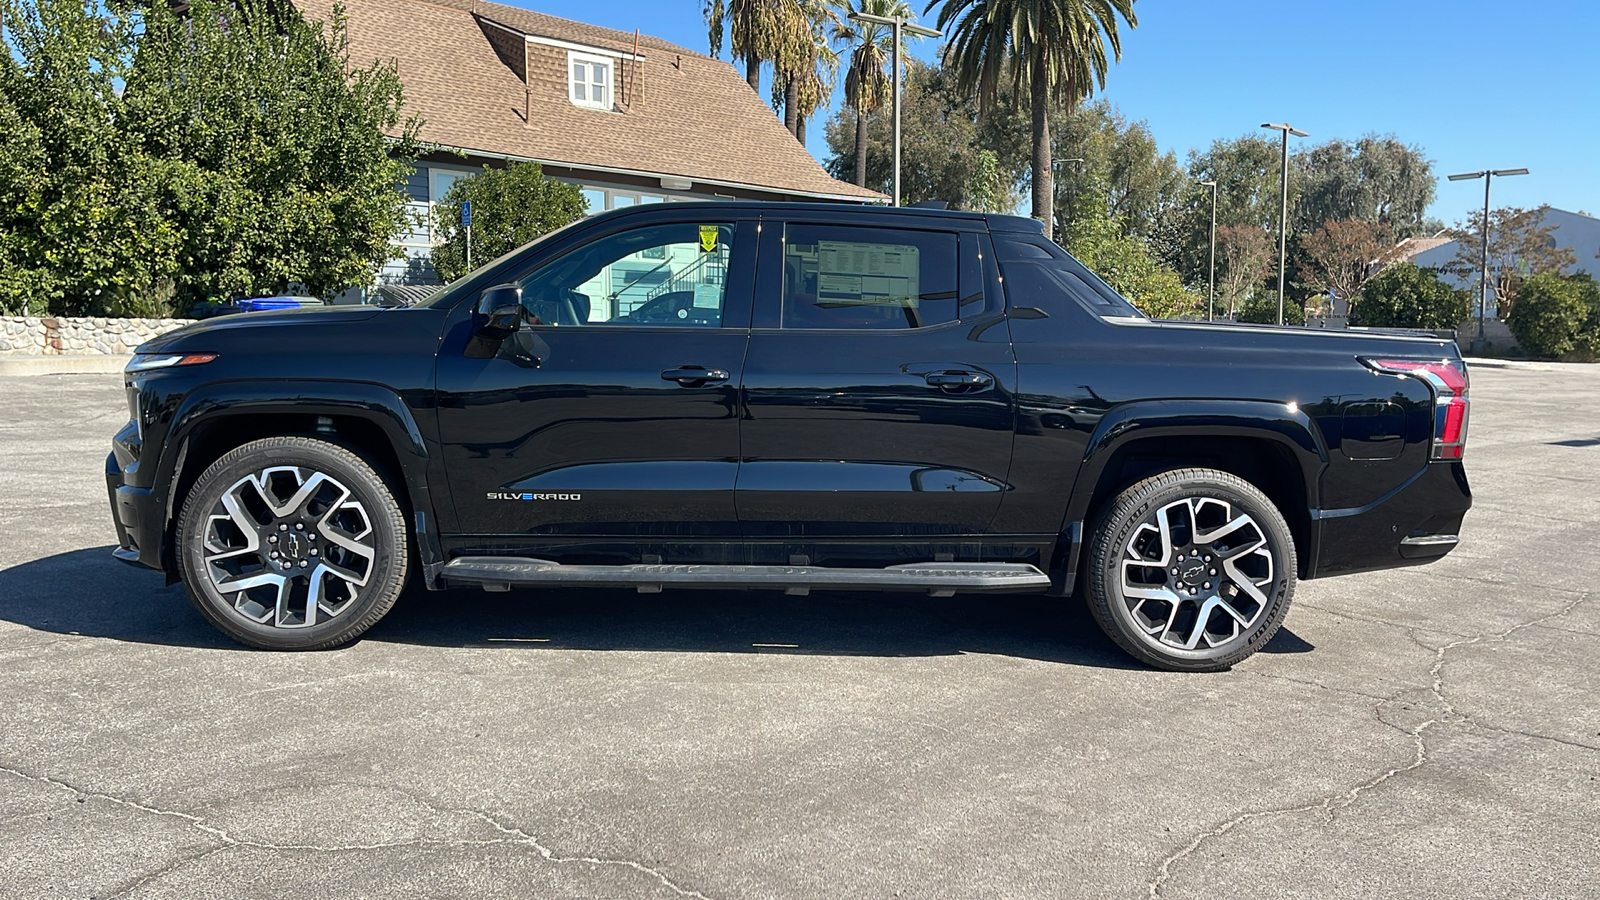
column 940, row 579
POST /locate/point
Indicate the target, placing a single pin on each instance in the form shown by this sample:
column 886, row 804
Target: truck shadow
column 86, row 592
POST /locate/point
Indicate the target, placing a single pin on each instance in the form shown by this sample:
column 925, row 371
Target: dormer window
column 589, row 80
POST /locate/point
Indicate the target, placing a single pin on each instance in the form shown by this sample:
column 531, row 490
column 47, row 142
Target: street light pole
column 1487, row 175
column 1211, row 281
column 898, row 24
column 1283, row 216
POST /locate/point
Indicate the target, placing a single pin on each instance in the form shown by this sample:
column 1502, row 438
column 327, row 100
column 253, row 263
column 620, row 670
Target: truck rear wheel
column 1191, row 570
column 292, row 543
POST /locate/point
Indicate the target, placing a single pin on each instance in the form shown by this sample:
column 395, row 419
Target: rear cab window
column 1036, row 268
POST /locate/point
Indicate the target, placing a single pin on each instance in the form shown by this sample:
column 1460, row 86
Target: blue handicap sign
column 466, row 214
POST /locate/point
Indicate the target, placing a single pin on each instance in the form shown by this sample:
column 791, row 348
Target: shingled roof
column 680, row 113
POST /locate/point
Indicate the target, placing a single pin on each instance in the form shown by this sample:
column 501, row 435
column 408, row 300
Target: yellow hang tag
column 708, row 238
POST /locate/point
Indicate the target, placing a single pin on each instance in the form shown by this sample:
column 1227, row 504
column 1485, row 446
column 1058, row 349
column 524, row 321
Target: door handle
column 694, row 376
column 956, row 380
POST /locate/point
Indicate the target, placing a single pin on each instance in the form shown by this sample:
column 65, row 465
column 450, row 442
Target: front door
column 878, row 389
column 613, row 411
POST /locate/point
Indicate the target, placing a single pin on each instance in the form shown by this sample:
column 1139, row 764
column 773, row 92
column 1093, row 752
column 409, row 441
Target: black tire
column 1251, row 553
column 345, row 497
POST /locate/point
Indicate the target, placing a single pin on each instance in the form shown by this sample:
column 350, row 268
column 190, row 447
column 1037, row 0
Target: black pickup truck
column 793, row 397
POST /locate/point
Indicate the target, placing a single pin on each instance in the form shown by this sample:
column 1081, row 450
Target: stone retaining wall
column 78, row 336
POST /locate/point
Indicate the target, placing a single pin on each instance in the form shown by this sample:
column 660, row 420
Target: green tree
column 867, row 83
column 82, row 229
column 1520, row 245
column 1244, row 255
column 1376, row 179
column 510, row 207
column 1550, row 316
column 1101, row 242
column 805, row 71
column 1406, row 296
column 1261, row 308
column 987, row 189
column 1246, row 172
column 756, row 31
column 1588, row 338
column 943, row 140
column 1342, row 255
column 22, row 169
column 271, row 146
column 1121, row 167
column 1051, row 51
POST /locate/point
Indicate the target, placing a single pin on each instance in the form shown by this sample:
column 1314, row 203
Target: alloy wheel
column 1196, row 574
column 289, row 546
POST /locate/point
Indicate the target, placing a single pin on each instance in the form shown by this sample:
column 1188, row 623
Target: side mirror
column 501, row 307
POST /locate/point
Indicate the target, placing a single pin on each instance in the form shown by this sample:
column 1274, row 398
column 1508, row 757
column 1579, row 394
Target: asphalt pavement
column 1428, row 732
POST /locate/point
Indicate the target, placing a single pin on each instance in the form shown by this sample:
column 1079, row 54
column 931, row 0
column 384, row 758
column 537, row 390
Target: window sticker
column 708, row 238
column 853, row 274
column 708, row 296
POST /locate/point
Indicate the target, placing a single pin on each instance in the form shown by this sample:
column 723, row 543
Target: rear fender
column 1285, row 425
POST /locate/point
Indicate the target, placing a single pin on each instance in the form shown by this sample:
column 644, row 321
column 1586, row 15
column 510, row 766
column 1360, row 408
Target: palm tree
column 757, row 30
column 817, row 78
column 804, row 77
column 867, row 84
column 1053, row 51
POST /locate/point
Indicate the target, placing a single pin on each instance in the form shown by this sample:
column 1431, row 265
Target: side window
column 869, row 278
column 656, row 275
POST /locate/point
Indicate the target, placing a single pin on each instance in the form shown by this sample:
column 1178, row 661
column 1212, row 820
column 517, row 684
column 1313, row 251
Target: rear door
column 878, row 385
column 613, row 411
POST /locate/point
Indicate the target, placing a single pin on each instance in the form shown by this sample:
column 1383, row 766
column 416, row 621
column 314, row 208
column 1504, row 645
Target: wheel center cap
column 293, row 546
column 1192, row 572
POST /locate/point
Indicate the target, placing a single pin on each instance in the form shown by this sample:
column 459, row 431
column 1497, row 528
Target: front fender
column 208, row 404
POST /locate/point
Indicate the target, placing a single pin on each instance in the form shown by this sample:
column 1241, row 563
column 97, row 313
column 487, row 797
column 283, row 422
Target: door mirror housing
column 501, row 308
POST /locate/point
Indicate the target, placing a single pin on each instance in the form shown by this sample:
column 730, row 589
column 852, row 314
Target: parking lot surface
column 1428, row 732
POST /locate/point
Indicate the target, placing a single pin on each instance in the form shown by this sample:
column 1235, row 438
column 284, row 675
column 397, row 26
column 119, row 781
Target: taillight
column 1448, row 378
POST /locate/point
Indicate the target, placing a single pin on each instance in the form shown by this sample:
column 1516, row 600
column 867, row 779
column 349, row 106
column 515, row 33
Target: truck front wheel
column 292, row 543
column 1191, row 570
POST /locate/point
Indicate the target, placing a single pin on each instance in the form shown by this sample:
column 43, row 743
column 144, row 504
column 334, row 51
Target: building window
column 440, row 182
column 598, row 199
column 589, row 80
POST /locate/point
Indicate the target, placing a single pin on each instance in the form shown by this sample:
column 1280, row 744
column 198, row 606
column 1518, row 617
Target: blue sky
column 1476, row 84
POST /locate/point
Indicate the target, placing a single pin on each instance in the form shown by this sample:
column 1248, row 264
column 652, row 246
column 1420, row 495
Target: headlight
column 143, row 362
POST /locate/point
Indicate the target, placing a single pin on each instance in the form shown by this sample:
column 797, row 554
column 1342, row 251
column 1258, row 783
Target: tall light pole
column 898, row 23
column 1211, row 284
column 1488, row 176
column 1283, row 215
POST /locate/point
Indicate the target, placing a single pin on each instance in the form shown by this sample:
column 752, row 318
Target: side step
column 940, row 579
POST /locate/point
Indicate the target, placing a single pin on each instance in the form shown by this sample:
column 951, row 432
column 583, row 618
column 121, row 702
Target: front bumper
column 1417, row 523
column 136, row 513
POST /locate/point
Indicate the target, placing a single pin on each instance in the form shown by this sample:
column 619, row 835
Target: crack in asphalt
column 513, row 836
column 1325, row 805
column 1410, row 630
column 1578, row 632
column 549, row 855
column 1330, row 804
column 156, row 874
column 1502, row 729
column 1325, row 687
